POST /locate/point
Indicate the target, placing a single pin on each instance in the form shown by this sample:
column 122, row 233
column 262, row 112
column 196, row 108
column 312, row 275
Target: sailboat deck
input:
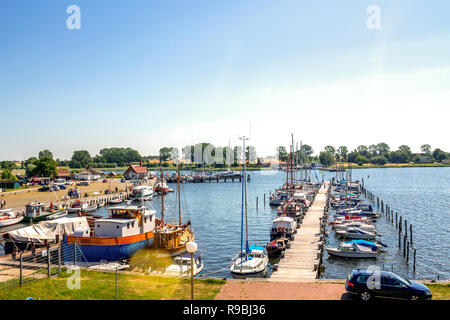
column 300, row 259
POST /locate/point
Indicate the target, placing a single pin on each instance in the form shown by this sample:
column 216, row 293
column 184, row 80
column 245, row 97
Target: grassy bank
column 440, row 291
column 101, row 286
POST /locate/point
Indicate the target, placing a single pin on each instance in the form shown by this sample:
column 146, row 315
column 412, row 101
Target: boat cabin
column 34, row 209
column 125, row 221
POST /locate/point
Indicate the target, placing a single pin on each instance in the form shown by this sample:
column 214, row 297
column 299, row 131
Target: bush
column 360, row 159
column 381, row 160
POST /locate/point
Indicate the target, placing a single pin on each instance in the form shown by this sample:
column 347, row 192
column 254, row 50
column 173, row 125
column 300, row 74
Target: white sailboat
column 251, row 261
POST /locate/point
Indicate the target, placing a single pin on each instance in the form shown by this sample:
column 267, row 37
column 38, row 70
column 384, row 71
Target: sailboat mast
column 179, row 194
column 161, row 186
column 245, row 196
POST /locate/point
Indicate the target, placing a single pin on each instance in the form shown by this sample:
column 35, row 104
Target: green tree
column 165, row 153
column 45, row 153
column 282, row 153
column 6, row 174
column 82, row 157
column 326, row 158
column 45, row 167
column 343, row 152
column 8, row 165
column 363, row 150
column 360, row 159
column 330, row 149
column 306, row 151
column 426, row 149
column 383, row 148
column 381, row 160
column 436, row 152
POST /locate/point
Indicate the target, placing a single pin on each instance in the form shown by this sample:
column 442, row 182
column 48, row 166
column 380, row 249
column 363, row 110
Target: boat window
column 132, row 224
column 128, row 226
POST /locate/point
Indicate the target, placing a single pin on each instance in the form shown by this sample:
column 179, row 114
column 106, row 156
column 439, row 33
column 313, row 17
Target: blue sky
column 148, row 74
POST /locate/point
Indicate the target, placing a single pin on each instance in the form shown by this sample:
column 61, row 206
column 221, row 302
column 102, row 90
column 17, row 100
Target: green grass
column 440, row 291
column 101, row 286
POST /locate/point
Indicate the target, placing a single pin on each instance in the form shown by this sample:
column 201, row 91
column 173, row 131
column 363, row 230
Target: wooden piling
column 404, row 246
column 414, row 260
column 407, row 252
column 410, row 233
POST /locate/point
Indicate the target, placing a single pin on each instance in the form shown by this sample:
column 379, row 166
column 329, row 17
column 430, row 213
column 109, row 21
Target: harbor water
column 419, row 195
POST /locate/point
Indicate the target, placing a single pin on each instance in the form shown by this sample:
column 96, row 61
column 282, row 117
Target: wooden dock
column 301, row 261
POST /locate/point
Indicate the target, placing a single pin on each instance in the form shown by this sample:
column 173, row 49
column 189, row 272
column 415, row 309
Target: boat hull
column 41, row 217
column 361, row 255
column 258, row 274
column 109, row 249
column 10, row 222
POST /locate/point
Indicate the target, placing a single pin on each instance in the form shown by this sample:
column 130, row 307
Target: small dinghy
column 115, row 201
column 89, row 209
column 58, row 215
column 355, row 249
column 181, row 266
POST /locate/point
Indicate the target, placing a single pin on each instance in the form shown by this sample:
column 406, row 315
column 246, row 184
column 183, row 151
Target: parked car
column 105, row 180
column 53, row 188
column 44, row 189
column 122, row 180
column 368, row 284
column 62, row 187
column 69, row 182
column 83, row 183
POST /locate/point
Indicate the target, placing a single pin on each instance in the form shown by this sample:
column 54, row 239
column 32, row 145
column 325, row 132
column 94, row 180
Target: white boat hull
column 10, row 222
column 346, row 254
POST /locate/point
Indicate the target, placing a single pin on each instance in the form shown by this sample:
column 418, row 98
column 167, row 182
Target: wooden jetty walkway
column 302, row 259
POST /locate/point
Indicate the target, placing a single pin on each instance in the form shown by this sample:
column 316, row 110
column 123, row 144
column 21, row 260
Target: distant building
column 9, row 184
column 88, row 174
column 136, row 172
column 446, row 161
column 63, row 173
column 425, row 159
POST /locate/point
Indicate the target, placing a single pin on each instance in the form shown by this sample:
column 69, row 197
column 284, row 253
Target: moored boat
column 9, row 218
column 127, row 230
column 355, row 249
column 181, row 266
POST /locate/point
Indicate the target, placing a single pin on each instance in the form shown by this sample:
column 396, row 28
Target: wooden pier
column 302, row 259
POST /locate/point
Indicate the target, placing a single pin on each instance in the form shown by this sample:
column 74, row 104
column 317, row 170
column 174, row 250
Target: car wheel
column 365, row 296
column 414, row 297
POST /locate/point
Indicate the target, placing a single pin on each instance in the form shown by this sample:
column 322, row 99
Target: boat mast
column 244, row 138
column 179, row 194
column 161, row 186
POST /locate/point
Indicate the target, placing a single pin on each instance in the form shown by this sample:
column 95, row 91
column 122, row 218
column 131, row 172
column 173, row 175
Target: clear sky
column 148, row 74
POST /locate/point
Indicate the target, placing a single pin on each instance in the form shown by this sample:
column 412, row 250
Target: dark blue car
column 370, row 283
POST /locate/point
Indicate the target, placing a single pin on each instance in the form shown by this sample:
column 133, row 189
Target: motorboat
column 355, row 249
column 277, row 247
column 36, row 211
column 8, row 218
column 142, row 193
column 181, row 266
column 344, row 219
column 283, row 226
column 77, row 206
column 250, row 264
column 356, row 233
column 277, row 199
column 115, row 201
column 355, row 224
column 88, row 209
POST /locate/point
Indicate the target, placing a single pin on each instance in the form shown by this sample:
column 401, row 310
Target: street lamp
column 191, row 247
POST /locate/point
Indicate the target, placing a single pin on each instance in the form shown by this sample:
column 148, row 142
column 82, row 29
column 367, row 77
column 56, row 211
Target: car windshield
column 403, row 280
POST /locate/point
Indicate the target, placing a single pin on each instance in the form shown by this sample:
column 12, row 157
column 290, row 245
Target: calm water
column 420, row 195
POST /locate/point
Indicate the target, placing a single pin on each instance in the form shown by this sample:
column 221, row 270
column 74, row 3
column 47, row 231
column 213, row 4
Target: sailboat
column 172, row 238
column 251, row 261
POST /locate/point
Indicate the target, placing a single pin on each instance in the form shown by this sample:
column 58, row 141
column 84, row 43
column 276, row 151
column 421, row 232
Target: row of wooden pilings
column 405, row 238
column 323, row 230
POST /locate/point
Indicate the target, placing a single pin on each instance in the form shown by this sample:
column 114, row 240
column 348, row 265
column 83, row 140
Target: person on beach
column 1, row 204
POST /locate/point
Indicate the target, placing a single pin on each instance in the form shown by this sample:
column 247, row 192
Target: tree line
column 379, row 154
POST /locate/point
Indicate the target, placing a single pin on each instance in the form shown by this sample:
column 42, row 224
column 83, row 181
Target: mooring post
column 264, row 198
column 21, row 270
column 396, row 220
column 410, row 234
column 407, row 252
column 404, row 246
column 256, row 203
column 414, row 260
column 48, row 262
column 59, row 258
column 75, row 253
